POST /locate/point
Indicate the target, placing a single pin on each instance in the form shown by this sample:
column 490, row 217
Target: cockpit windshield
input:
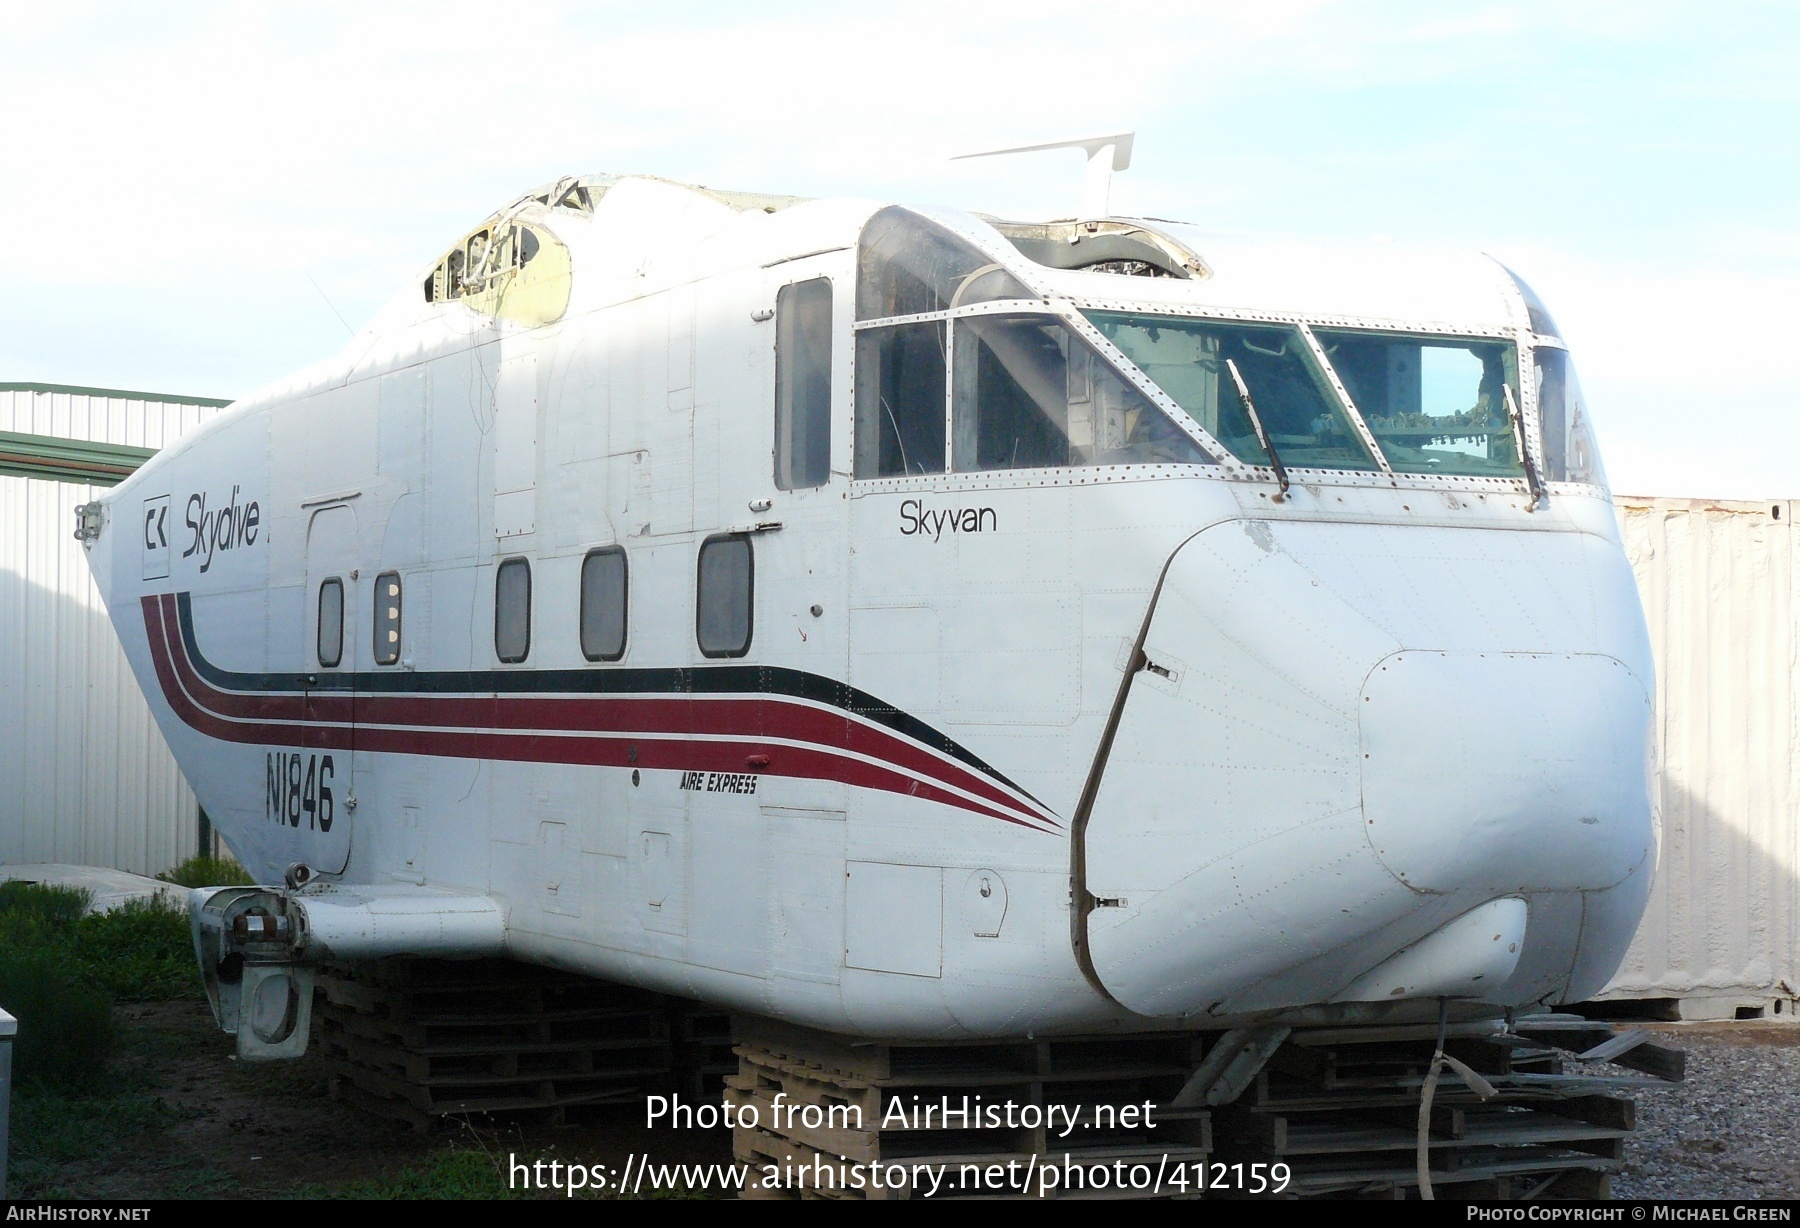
column 1434, row 404
column 1186, row 358
column 945, row 328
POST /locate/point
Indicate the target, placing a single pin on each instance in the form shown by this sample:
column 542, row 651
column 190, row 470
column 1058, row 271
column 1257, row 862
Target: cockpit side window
column 900, row 397
column 1570, row 453
column 1030, row 393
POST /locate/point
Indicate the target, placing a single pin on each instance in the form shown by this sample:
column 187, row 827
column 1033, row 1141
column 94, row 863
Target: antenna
column 1105, row 154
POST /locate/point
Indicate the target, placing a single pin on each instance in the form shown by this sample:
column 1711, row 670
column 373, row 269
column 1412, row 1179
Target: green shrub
column 65, row 1027
column 140, row 950
column 43, row 903
column 203, row 871
column 34, row 917
column 143, row 950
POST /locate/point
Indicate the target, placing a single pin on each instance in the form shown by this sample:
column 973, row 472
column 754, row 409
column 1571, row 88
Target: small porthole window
column 387, row 618
column 604, row 582
column 725, row 585
column 512, row 611
column 331, row 623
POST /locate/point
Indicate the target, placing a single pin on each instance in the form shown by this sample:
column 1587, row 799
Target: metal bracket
column 90, row 518
column 1236, row 1059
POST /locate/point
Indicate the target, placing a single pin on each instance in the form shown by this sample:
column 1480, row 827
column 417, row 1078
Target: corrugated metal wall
column 1724, row 918
column 87, row 776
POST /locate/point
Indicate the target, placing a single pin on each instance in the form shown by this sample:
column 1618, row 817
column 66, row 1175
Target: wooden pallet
column 704, row 1050
column 1340, row 1108
column 826, row 1106
column 420, row 1040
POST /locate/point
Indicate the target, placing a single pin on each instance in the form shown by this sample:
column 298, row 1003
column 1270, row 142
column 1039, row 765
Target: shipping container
column 1723, row 927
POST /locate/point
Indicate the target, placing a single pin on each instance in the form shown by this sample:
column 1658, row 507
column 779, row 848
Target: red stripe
column 704, row 716
column 616, row 728
column 700, row 715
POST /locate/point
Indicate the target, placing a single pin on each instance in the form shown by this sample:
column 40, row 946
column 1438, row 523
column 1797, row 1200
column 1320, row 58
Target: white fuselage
column 1008, row 751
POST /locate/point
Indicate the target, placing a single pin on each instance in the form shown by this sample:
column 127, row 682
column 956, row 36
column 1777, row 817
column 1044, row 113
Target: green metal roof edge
column 119, row 393
column 69, row 460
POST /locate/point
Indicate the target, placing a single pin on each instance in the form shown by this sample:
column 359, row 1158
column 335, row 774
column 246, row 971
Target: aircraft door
column 318, row 783
column 801, row 571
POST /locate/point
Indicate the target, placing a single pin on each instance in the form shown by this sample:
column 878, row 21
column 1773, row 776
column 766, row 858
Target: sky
column 200, row 198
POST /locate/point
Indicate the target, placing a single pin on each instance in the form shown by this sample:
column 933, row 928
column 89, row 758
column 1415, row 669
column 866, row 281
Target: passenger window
column 1029, row 393
column 603, row 604
column 722, row 613
column 900, row 397
column 387, row 618
column 512, row 610
column 803, row 385
column 331, row 623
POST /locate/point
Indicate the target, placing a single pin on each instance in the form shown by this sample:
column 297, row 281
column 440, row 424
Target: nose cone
column 1356, row 734
column 1506, row 771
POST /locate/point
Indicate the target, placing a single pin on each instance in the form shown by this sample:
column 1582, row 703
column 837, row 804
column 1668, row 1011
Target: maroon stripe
column 703, row 716
column 700, row 715
column 178, row 679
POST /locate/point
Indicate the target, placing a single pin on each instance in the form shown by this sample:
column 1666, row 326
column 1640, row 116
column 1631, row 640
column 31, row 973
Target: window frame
column 1315, row 375
column 1363, row 415
column 337, row 658
column 624, row 603
column 750, row 596
column 970, row 338
column 376, row 646
column 517, row 560
column 866, row 427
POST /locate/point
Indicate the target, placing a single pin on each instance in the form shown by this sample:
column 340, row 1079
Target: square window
column 512, row 611
column 603, row 604
column 331, row 623
column 723, row 602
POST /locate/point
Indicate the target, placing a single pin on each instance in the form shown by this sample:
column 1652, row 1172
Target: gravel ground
column 1732, row 1130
